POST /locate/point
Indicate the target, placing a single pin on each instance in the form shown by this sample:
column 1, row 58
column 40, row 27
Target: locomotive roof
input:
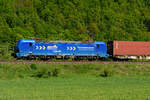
column 99, row 42
column 26, row 40
column 59, row 41
column 31, row 40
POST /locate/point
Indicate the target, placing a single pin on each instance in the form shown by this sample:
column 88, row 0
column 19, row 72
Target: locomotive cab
column 24, row 48
column 101, row 49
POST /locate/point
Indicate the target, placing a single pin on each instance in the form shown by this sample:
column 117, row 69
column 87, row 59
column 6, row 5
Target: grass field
column 75, row 87
column 75, row 83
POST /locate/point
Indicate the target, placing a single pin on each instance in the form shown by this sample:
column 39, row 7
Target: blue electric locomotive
column 60, row 49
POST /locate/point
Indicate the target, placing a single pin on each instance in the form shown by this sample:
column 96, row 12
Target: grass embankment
column 75, row 82
column 58, row 70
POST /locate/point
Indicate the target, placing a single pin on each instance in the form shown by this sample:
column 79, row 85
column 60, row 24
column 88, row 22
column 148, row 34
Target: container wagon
column 129, row 49
column 28, row 48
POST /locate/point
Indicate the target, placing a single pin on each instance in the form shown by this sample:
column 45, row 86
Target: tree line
column 77, row 20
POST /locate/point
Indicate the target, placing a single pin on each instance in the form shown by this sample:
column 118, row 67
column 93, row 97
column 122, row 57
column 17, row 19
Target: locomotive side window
column 97, row 45
column 30, row 44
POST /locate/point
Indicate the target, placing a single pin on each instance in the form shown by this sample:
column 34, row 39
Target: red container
column 132, row 48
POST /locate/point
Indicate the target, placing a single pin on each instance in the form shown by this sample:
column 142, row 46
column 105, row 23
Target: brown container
column 132, row 48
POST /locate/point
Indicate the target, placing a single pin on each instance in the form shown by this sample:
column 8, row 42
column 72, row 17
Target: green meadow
column 75, row 82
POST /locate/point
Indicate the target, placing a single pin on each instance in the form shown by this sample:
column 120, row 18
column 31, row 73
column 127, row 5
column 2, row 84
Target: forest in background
column 75, row 20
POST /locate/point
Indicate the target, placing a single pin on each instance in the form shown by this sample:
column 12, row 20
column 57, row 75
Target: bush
column 107, row 72
column 55, row 72
column 33, row 66
column 46, row 73
column 43, row 73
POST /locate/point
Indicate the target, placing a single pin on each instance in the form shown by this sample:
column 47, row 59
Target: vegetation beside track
column 12, row 71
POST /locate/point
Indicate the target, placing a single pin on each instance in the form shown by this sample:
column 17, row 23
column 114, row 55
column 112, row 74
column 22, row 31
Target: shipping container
column 129, row 49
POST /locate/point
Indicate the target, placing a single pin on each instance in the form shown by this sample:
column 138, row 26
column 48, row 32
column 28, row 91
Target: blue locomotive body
column 29, row 47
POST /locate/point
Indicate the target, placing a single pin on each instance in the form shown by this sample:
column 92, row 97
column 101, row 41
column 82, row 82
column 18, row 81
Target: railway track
column 73, row 62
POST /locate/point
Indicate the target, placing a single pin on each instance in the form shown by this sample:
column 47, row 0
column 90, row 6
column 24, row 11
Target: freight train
column 30, row 48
